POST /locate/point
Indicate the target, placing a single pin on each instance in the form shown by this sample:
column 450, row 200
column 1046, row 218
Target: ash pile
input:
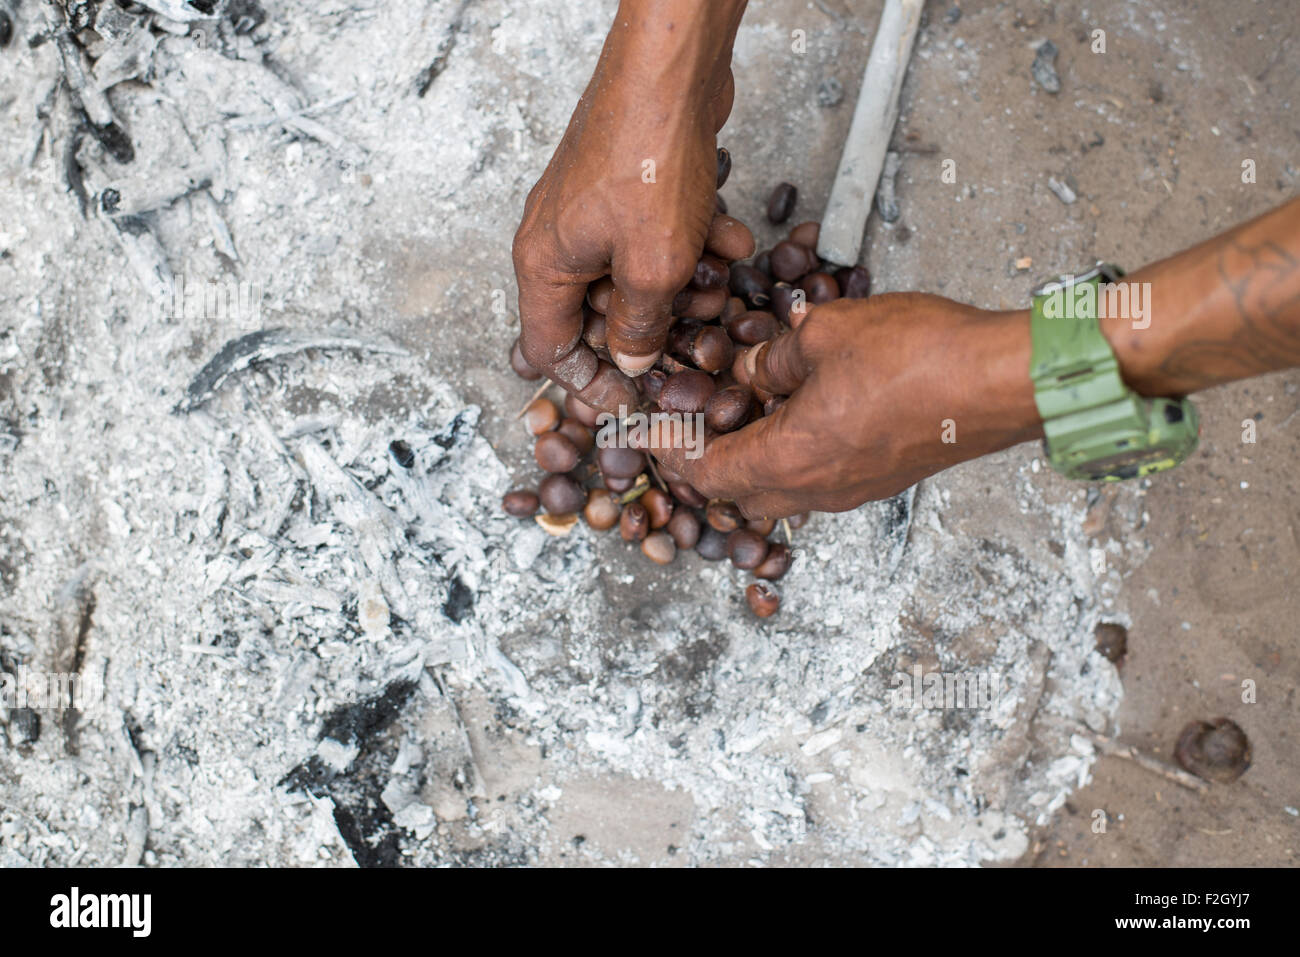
column 280, row 553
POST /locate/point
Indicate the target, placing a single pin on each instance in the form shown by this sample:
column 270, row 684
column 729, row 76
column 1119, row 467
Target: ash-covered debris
column 345, row 769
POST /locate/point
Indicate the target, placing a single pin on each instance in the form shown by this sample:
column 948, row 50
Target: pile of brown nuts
column 702, row 370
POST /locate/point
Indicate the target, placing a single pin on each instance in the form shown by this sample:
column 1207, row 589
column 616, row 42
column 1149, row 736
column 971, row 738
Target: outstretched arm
column 629, row 193
column 872, row 381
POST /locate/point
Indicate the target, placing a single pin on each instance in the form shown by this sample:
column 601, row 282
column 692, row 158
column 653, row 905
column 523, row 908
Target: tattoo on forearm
column 1264, row 281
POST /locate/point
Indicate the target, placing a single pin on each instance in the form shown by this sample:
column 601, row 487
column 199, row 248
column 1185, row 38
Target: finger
column 729, row 238
column 640, row 309
column 743, row 463
column 676, row 441
column 610, row 391
column 779, row 365
column 550, row 316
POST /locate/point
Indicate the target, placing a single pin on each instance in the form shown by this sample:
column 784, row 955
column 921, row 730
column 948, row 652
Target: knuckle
column 524, row 251
column 661, row 274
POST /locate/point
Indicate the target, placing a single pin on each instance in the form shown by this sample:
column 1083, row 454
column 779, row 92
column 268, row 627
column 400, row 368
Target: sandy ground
column 591, row 709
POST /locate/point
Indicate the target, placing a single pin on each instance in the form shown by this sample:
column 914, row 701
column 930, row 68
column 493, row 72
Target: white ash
column 272, row 590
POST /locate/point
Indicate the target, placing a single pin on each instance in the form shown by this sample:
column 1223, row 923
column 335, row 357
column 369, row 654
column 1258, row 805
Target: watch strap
column 1072, row 365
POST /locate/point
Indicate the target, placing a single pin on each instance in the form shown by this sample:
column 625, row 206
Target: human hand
column 882, row 392
column 630, row 193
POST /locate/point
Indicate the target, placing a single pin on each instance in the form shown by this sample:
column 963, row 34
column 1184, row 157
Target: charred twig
column 92, row 101
column 447, row 44
column 239, row 354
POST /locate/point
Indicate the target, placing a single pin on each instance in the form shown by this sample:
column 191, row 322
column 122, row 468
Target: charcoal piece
column 354, row 723
column 460, row 601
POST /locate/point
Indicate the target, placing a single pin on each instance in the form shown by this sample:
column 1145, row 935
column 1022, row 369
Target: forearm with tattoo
column 1224, row 310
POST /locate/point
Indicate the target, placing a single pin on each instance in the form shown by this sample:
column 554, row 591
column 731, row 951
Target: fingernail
column 634, row 365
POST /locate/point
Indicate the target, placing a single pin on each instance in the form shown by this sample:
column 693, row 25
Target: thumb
column 778, row 365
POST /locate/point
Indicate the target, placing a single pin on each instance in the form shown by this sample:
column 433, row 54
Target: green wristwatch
column 1096, row 427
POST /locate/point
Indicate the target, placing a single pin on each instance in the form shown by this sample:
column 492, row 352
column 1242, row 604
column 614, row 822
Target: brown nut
column 776, row 564
column 556, row 452
column 723, row 516
column 739, row 371
column 634, row 523
column 577, row 409
column 687, row 495
column 652, row 384
column 659, row 505
column 790, row 260
column 783, row 300
column 671, row 366
column 855, row 282
column 751, row 328
column 521, row 503
column 686, row 391
column 682, row 335
column 746, row 548
column 819, row 287
column 540, row 416
column 724, row 166
column 618, row 485
column 764, row 526
column 595, row 329
column 659, row 547
column 692, row 303
column 763, row 263
column 599, row 294
column 1112, row 641
column 752, row 285
column 520, row 365
column 798, row 521
column 1215, row 750
column 728, row 409
column 684, row 527
column 712, row 350
column 781, row 203
column 619, row 462
column 602, row 509
column 577, row 433
column 764, row 600
column 561, row 494
column 710, row 273
column 806, row 234
column 712, row 544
